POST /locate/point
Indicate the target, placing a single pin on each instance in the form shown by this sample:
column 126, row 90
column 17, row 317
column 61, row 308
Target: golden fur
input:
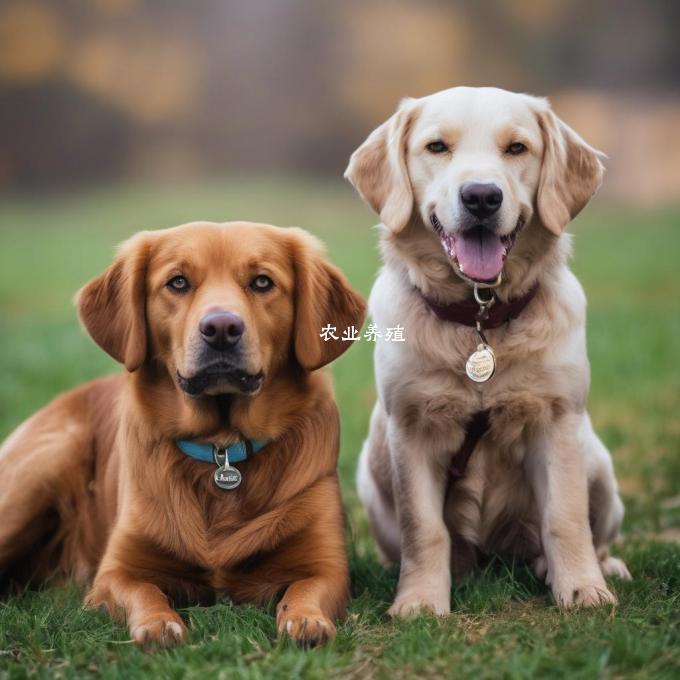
column 540, row 485
column 94, row 486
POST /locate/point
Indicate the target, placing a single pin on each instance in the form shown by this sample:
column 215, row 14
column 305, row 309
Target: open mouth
column 220, row 378
column 478, row 253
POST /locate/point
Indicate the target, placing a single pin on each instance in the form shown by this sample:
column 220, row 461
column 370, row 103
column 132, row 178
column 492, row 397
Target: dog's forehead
column 463, row 108
column 229, row 244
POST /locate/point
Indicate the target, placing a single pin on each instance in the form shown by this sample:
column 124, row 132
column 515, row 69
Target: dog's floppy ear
column 323, row 297
column 571, row 172
column 377, row 169
column 112, row 307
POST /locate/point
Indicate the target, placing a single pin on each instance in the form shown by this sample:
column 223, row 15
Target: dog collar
column 481, row 313
column 467, row 312
column 226, row 476
column 207, row 453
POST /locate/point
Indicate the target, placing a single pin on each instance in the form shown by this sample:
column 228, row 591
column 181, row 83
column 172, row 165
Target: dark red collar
column 466, row 312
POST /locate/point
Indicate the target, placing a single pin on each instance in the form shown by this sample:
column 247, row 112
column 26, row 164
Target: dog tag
column 481, row 365
column 227, row 477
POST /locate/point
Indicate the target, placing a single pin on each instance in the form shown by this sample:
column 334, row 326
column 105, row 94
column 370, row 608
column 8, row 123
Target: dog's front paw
column 613, row 566
column 583, row 595
column 306, row 625
column 159, row 631
column 416, row 603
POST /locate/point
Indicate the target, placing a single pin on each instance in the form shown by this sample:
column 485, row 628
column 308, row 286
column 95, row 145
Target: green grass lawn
column 504, row 622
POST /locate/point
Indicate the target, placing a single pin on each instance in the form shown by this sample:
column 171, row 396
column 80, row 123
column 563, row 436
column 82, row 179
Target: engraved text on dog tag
column 481, row 365
column 227, row 477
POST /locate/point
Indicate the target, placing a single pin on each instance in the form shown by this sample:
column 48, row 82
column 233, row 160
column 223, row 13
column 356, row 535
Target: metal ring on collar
column 480, row 301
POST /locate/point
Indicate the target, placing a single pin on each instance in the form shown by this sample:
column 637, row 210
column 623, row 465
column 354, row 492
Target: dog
column 218, row 326
column 480, row 442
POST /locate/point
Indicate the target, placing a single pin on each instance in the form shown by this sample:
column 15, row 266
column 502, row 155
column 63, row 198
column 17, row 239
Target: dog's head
column 220, row 307
column 476, row 165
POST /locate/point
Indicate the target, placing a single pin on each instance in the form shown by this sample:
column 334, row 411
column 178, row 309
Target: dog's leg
column 310, row 606
column 557, row 468
column 606, row 508
column 420, row 479
column 380, row 511
column 121, row 588
column 45, row 461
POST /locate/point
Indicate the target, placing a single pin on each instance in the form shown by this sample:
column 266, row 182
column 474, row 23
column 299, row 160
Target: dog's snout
column 482, row 200
column 221, row 330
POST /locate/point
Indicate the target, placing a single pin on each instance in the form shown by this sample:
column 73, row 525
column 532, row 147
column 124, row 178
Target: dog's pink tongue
column 480, row 254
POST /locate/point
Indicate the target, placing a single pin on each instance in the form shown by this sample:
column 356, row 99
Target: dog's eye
column 178, row 284
column 261, row 283
column 437, row 147
column 516, row 148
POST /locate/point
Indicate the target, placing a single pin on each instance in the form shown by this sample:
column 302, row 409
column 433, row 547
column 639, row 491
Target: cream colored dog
column 472, row 184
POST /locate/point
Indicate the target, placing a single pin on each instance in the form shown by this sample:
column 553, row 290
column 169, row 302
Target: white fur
column 540, row 485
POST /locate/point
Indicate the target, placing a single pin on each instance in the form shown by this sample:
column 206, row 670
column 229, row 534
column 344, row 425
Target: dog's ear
column 323, row 297
column 571, row 172
column 378, row 171
column 112, row 307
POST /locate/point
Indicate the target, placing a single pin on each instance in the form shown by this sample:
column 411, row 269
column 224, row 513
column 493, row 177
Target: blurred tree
column 110, row 88
column 32, row 42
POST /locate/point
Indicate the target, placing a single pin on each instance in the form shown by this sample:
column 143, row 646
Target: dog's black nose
column 482, row 200
column 221, row 330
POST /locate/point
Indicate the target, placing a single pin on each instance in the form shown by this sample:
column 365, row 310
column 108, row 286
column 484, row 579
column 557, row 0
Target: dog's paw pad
column 159, row 633
column 308, row 627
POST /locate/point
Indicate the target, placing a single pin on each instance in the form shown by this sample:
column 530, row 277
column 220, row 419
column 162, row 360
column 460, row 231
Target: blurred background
column 102, row 90
column 118, row 115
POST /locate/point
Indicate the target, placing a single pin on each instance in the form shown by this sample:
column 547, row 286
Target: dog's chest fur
column 541, row 366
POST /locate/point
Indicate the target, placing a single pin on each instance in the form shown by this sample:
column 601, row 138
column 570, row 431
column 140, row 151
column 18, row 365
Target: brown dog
column 219, row 327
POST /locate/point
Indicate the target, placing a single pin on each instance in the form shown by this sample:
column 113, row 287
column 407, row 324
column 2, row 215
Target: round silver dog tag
column 227, row 477
column 481, row 365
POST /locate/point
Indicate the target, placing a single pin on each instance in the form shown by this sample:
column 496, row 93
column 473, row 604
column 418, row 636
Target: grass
column 504, row 622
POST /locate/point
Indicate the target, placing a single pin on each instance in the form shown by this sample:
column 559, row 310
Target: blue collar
column 236, row 453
